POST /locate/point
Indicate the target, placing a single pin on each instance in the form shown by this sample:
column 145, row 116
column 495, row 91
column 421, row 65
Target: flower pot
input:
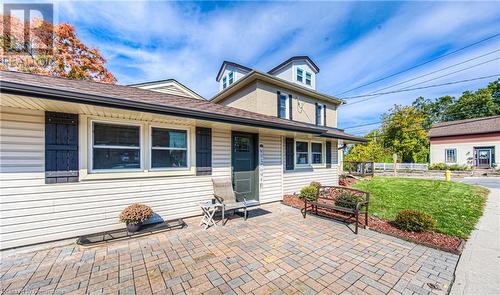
column 133, row 227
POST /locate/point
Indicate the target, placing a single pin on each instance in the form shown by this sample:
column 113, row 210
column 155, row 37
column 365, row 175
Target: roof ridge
column 455, row 122
column 293, row 58
column 93, row 82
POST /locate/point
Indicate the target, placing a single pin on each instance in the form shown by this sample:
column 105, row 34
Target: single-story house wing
column 75, row 153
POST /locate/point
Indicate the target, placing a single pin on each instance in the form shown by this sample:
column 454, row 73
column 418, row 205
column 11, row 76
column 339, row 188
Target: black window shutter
column 289, row 154
column 328, row 154
column 61, row 147
column 203, row 151
column 316, row 114
column 290, row 104
column 278, row 104
column 324, row 115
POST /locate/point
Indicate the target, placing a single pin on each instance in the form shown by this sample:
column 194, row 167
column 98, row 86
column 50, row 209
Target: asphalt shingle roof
column 466, row 127
column 152, row 98
column 147, row 100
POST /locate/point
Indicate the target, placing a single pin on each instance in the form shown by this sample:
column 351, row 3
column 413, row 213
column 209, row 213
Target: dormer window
column 300, row 75
column 320, row 114
column 308, row 78
column 230, row 77
column 224, row 83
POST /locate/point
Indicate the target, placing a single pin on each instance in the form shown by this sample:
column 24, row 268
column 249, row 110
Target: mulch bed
column 430, row 239
column 346, row 180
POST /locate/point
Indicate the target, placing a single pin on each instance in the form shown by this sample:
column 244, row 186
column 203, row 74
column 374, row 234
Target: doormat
column 119, row 234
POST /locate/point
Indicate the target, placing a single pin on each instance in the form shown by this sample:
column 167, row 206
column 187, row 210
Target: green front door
column 244, row 164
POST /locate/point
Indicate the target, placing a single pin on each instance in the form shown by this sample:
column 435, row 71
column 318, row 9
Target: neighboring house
column 169, row 86
column 75, row 153
column 473, row 142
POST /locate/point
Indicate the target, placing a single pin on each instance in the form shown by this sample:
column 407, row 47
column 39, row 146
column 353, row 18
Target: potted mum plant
column 134, row 215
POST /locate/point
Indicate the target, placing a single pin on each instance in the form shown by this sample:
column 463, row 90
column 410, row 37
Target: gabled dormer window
column 300, row 75
column 230, row 77
column 224, row 83
column 320, row 114
column 308, row 78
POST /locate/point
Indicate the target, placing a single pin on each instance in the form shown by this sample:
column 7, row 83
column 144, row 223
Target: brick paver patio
column 274, row 253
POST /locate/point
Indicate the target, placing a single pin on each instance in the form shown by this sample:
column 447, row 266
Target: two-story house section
column 288, row 91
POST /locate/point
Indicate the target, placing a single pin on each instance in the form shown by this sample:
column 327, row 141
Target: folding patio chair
column 230, row 200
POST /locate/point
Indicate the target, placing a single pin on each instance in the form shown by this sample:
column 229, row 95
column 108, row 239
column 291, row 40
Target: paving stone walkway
column 274, row 252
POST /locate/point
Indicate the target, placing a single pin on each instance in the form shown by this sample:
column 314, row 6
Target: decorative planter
column 133, row 227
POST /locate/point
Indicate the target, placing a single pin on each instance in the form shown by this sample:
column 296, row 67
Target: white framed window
column 316, row 153
column 300, row 75
column 308, row 78
column 450, row 155
column 230, row 78
column 115, row 147
column 302, row 152
column 284, row 105
column 169, row 148
column 224, row 83
column 320, row 114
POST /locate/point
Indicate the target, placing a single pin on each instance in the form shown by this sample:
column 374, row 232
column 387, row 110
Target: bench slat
column 333, row 207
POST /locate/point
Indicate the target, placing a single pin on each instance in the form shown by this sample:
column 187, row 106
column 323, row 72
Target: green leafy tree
column 404, row 128
column 433, row 111
column 481, row 103
column 404, row 133
column 370, row 151
column 471, row 104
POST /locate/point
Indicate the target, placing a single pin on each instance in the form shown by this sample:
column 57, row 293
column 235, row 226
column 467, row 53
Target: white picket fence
column 401, row 166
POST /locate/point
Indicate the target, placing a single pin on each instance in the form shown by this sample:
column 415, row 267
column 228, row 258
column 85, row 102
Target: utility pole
column 395, row 161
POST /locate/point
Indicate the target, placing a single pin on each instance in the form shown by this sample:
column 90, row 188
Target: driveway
column 478, row 271
column 273, row 252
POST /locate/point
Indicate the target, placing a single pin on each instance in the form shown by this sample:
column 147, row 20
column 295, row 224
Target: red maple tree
column 52, row 50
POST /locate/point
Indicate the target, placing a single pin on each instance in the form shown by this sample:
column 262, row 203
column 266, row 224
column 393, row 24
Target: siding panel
column 271, row 189
column 33, row 212
column 293, row 181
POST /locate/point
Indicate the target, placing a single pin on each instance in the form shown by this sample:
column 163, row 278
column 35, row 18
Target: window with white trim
column 224, row 83
column 320, row 114
column 316, row 153
column 116, row 146
column 300, row 75
column 308, row 78
column 169, row 148
column 284, row 106
column 450, row 155
column 230, row 77
column 302, row 152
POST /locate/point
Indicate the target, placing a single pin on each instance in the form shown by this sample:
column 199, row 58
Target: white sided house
column 76, row 153
column 472, row 142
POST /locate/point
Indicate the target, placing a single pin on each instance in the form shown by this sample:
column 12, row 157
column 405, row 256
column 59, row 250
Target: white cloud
column 146, row 41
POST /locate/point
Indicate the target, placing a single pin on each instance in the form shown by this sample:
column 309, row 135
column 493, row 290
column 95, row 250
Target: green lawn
column 455, row 206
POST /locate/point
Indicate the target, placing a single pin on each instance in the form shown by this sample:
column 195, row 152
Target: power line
column 421, row 64
column 436, row 71
column 418, row 129
column 429, row 80
column 454, row 72
column 362, row 125
column 381, row 121
column 418, row 88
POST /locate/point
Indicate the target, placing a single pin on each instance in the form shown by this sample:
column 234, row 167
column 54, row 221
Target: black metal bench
column 326, row 198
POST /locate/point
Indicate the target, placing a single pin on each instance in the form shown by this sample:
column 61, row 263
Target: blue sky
column 353, row 43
